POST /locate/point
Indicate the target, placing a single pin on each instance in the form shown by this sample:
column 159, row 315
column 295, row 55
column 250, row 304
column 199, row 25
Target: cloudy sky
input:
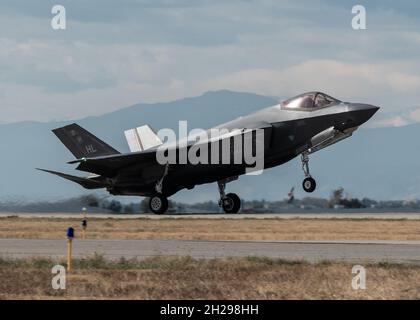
column 118, row 53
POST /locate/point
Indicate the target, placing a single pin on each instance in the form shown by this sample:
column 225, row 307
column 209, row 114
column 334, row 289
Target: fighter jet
column 295, row 127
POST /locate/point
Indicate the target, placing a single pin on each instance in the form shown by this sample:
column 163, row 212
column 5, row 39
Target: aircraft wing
column 110, row 165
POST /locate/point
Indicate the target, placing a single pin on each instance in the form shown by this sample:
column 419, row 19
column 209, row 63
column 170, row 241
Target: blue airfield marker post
column 70, row 236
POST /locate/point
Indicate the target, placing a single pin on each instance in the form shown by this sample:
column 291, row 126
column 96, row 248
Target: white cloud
column 274, row 48
column 347, row 80
column 396, row 121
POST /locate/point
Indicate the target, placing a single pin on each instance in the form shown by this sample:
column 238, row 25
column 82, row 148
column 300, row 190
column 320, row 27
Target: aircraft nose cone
column 363, row 107
column 362, row 112
column 371, row 109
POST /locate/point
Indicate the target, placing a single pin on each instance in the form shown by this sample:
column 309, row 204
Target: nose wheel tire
column 231, row 203
column 309, row 184
column 158, row 204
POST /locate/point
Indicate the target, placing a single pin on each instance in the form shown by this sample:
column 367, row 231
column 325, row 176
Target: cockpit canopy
column 309, row 101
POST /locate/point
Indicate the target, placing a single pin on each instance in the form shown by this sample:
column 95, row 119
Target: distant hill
column 380, row 163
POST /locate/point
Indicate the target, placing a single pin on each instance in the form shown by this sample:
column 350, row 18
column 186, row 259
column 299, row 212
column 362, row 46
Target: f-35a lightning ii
column 296, row 127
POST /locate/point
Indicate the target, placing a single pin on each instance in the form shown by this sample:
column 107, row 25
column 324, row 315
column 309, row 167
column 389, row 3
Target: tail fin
column 81, row 143
column 142, row 138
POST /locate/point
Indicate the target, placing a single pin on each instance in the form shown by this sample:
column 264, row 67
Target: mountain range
column 380, row 163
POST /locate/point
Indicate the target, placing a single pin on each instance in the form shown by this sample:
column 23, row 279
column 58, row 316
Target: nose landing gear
column 309, row 183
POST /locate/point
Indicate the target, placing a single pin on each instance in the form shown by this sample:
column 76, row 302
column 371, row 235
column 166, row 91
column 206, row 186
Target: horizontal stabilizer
column 87, row 183
column 142, row 138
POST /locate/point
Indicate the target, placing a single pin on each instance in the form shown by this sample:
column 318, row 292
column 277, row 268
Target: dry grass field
column 185, row 278
column 223, row 229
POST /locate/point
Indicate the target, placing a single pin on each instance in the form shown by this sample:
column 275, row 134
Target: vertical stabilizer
column 142, row 138
column 81, row 143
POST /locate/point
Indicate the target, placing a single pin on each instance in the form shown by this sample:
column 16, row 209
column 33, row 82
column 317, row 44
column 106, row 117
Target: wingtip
column 75, row 161
column 44, row 170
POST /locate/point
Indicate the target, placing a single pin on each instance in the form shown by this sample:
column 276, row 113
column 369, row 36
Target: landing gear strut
column 231, row 203
column 309, row 183
column 158, row 203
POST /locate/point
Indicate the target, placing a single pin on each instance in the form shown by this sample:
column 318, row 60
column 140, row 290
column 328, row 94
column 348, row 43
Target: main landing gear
column 309, row 183
column 231, row 203
column 159, row 203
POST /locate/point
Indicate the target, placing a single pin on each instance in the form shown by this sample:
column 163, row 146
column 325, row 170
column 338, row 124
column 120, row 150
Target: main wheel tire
column 309, row 184
column 231, row 203
column 158, row 204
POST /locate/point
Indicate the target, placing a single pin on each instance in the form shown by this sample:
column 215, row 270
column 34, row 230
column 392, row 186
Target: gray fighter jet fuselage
column 298, row 126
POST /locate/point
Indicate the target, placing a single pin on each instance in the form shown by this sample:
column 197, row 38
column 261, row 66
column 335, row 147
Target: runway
column 312, row 251
column 311, row 215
